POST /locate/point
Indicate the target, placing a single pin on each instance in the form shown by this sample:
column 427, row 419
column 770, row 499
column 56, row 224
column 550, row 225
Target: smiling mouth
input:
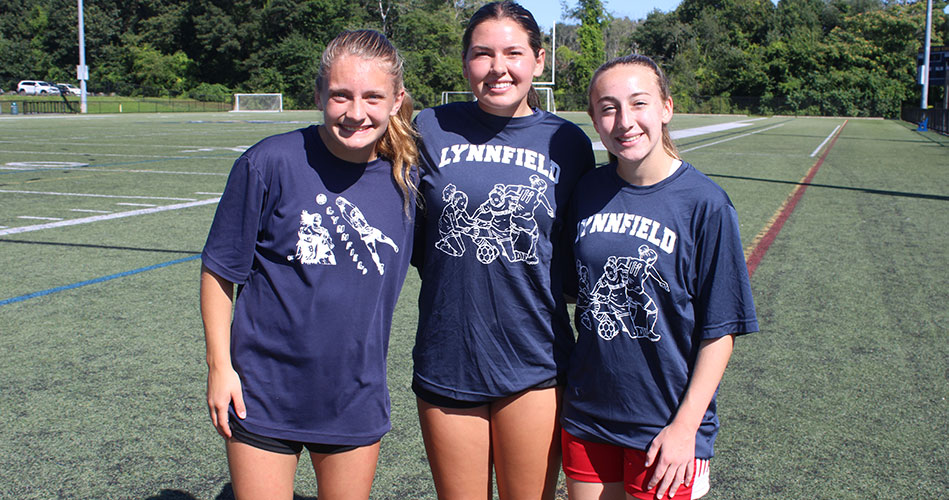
column 628, row 139
column 500, row 85
column 354, row 130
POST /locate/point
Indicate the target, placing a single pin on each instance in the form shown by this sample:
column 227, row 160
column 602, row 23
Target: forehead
column 502, row 32
column 626, row 79
column 349, row 70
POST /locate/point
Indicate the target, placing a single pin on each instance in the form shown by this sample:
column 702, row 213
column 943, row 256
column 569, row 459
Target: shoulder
column 280, row 145
column 431, row 117
column 703, row 190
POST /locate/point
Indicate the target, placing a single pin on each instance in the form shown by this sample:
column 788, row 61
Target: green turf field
column 842, row 395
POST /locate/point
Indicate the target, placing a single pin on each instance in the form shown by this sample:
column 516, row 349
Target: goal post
column 546, row 95
column 258, row 102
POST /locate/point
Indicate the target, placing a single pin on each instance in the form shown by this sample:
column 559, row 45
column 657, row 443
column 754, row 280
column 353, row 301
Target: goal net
column 546, row 95
column 258, row 102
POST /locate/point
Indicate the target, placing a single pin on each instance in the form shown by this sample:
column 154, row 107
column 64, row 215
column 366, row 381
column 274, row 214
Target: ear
column 399, row 97
column 318, row 99
column 667, row 111
column 539, row 60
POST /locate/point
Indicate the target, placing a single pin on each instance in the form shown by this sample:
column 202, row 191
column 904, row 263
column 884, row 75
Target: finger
column 651, row 453
column 239, row 407
column 657, row 476
column 664, row 485
column 222, row 426
column 690, row 473
column 677, row 481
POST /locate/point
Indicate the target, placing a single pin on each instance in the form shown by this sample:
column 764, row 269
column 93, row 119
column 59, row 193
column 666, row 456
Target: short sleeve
column 725, row 305
column 229, row 250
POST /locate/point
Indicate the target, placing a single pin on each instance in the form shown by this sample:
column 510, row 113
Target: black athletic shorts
column 283, row 446
column 446, row 402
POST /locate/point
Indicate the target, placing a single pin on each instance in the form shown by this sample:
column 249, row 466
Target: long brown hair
column 647, row 62
column 508, row 9
column 398, row 142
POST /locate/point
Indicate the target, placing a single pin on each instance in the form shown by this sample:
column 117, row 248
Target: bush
column 210, row 92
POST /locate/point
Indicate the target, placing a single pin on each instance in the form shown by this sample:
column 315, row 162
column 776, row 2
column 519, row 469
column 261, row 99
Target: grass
column 842, row 395
column 116, row 104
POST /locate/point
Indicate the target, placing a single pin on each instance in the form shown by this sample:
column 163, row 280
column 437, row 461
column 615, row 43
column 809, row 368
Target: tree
column 590, row 34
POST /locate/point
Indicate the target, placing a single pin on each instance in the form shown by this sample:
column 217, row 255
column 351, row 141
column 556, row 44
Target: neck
column 649, row 171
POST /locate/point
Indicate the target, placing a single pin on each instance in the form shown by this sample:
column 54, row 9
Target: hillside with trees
column 833, row 57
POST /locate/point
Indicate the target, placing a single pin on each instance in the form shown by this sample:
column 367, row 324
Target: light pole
column 924, row 73
column 82, row 71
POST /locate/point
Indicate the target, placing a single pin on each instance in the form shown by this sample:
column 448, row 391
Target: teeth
column 499, row 85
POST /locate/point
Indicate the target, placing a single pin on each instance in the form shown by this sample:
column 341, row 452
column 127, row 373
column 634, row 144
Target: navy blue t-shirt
column 660, row 269
column 492, row 318
column 320, row 247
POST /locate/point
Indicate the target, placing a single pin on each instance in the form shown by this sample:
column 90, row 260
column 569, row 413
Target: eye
column 608, row 109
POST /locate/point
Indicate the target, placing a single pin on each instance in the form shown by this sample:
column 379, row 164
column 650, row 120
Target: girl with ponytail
column 314, row 226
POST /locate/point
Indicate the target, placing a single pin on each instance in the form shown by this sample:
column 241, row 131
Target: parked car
column 67, row 89
column 35, row 87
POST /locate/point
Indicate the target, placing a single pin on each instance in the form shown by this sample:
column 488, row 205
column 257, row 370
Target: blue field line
column 33, row 295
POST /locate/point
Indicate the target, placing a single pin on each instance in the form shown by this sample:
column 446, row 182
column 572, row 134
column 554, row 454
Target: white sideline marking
column 128, row 197
column 136, row 204
column 90, row 211
column 122, row 155
column 825, row 141
column 32, row 217
column 131, row 171
column 733, row 138
column 209, row 194
column 692, row 132
column 96, row 218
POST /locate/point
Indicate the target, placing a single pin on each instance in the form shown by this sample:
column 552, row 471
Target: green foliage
column 211, row 92
column 590, row 34
column 799, row 56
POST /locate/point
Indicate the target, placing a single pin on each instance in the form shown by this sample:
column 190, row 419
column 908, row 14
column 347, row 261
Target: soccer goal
column 258, row 102
column 546, row 95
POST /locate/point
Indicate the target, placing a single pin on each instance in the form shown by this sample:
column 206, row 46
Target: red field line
column 761, row 243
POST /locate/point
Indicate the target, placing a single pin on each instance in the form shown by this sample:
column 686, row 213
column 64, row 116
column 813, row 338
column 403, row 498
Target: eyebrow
column 486, row 47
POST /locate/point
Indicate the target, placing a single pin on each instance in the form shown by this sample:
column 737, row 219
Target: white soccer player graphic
column 314, row 244
column 368, row 234
column 453, row 222
column 493, row 227
column 504, row 223
column 523, row 224
column 640, row 270
column 620, row 293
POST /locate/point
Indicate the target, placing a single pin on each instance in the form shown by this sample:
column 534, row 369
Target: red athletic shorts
column 605, row 463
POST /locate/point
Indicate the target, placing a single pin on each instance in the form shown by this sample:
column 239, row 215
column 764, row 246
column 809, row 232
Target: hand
column 675, row 448
column 224, row 386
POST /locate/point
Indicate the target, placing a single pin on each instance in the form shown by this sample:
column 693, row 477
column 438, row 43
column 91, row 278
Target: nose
column 497, row 65
column 357, row 110
column 624, row 118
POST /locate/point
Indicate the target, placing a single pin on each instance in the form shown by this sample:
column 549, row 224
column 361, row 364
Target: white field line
column 86, row 210
column 120, row 155
column 33, row 217
column 692, row 132
column 124, row 197
column 120, row 170
column 209, row 194
column 825, row 141
column 97, row 218
column 732, row 138
column 136, row 204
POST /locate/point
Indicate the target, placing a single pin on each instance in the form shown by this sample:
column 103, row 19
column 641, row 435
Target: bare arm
column 675, row 443
column 224, row 384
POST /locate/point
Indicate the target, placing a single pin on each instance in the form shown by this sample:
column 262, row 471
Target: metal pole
column 925, row 70
column 82, row 72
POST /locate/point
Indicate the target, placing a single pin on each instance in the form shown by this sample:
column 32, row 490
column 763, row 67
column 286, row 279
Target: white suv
column 35, row 87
